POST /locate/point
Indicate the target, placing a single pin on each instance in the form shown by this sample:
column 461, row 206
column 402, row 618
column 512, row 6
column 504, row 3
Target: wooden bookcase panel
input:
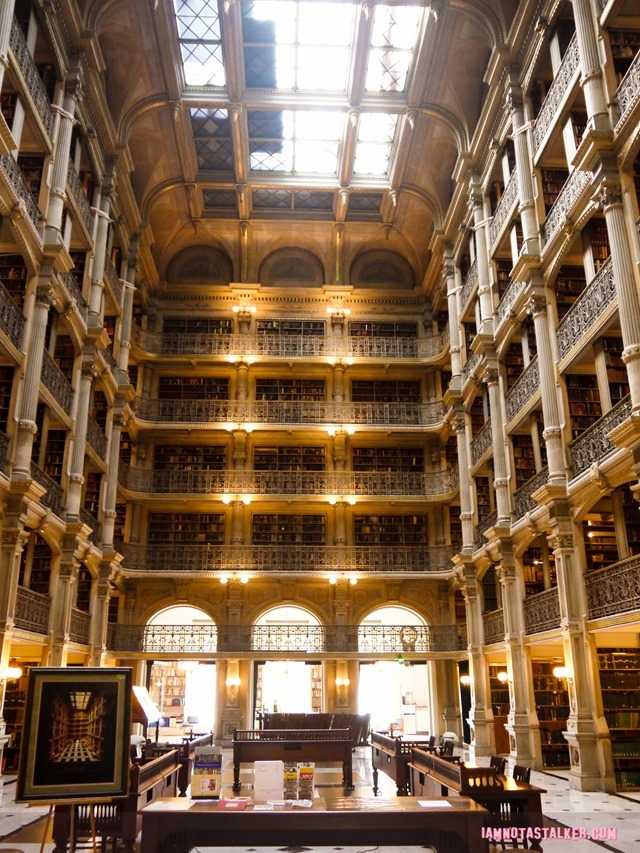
column 185, row 528
column 388, row 459
column 189, row 457
column 552, row 706
column 620, row 687
column 390, row 530
column 290, row 390
column 280, row 529
column 585, row 407
column 378, row 329
column 385, row 391
column 286, row 458
column 291, row 327
column 193, row 388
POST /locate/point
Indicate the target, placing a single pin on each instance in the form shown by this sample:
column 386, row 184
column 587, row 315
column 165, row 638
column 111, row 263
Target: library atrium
column 320, row 365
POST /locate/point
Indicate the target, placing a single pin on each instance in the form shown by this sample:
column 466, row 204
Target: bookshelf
column 64, row 355
column 120, row 521
column 598, row 238
column 616, row 369
column 93, row 480
column 455, row 526
column 79, row 258
column 32, row 168
column 503, row 275
column 125, row 448
column 513, row 363
column 385, row 391
column 54, row 455
column 620, row 684
column 523, row 458
column 390, row 530
column 13, row 275
column 601, row 548
column 631, row 512
column 552, row 707
column 189, row 458
column 193, row 388
column 35, row 566
column 290, row 390
column 363, row 329
column 83, row 589
column 500, row 704
column 534, row 561
column 184, row 528
column 316, row 688
column 477, row 415
column 8, row 103
column 167, row 689
column 570, row 283
column 6, row 385
column 285, row 458
column 489, row 590
column 624, row 46
column 585, row 407
column 579, row 121
column 100, row 408
column 483, row 497
column 278, row 529
column 552, row 182
column 197, row 326
column 290, row 327
column 388, row 459
column 14, row 713
column 451, row 451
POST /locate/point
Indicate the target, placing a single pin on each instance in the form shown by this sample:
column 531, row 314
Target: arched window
column 288, row 629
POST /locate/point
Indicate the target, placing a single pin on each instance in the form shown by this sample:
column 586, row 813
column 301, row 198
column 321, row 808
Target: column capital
column 490, row 376
column 608, row 194
column 561, row 541
column 537, row 305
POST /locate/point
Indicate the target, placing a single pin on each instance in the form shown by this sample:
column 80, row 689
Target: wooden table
column 178, row 825
column 392, row 756
column 251, row 745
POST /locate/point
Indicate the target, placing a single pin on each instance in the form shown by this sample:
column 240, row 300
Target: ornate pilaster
column 552, row 433
column 76, row 473
column 232, row 715
column 589, row 747
column 449, row 274
column 476, row 199
column 339, row 450
column 242, row 381
column 100, row 614
column 239, row 449
column 501, row 482
column 626, row 288
column 338, row 382
column 481, row 716
column 590, row 67
column 62, row 603
column 527, row 209
column 340, row 523
column 31, row 384
column 237, row 522
column 109, row 506
column 60, row 165
column 466, row 506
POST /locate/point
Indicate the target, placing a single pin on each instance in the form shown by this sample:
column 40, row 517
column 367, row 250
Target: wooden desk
column 178, row 825
column 392, row 756
column 508, row 802
column 292, row 745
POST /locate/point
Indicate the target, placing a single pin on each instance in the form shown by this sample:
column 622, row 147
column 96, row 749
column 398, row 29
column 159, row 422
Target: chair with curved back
column 521, row 774
column 499, row 763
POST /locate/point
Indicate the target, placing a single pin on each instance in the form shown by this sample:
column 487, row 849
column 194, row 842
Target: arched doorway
column 183, row 689
column 293, row 684
column 404, row 703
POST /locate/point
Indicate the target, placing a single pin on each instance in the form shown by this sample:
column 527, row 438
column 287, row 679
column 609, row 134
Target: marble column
column 338, row 382
column 100, row 615
column 590, row 67
column 127, row 316
column 60, row 165
column 526, row 197
column 449, row 273
column 242, row 381
column 501, row 481
column 76, row 472
column 466, row 506
column 340, row 523
column 476, row 198
column 6, row 22
column 552, row 433
column 237, row 522
column 110, row 493
column 481, row 716
column 94, row 317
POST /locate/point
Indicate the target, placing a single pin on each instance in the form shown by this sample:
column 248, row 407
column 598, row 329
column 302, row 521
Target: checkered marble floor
column 21, row 826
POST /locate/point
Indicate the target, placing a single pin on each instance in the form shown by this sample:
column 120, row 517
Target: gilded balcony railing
column 468, row 285
column 53, row 498
column 317, row 639
column 290, row 346
column 481, row 443
column 13, row 174
column 75, row 293
column 614, row 589
column 593, row 445
column 587, row 311
column 509, row 299
column 298, row 559
column 290, row 412
column 628, row 91
column 12, row 320
column 57, row 383
column 4, row 449
column 31, row 77
column 503, row 209
column 563, row 207
column 32, row 611
column 96, row 437
column 542, row 611
column 80, row 626
column 522, row 500
column 561, row 83
column 114, row 282
column 398, row 484
column 524, row 390
column 493, row 623
column 80, row 202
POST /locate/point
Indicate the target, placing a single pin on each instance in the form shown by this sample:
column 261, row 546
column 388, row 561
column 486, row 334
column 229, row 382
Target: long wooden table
column 251, row 745
column 509, row 803
column 392, row 755
column 179, row 825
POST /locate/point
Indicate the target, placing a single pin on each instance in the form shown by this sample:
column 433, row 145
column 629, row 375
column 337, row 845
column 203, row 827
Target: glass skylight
column 392, row 41
column 300, row 141
column 376, row 134
column 200, row 42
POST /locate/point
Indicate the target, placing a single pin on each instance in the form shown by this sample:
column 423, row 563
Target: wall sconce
column 11, row 673
column 233, row 681
column 561, row 672
column 333, row 579
column 343, row 682
column 503, row 677
column 227, row 499
column 337, row 310
column 341, row 430
column 224, row 579
column 353, row 581
column 342, row 500
column 244, row 309
column 465, row 680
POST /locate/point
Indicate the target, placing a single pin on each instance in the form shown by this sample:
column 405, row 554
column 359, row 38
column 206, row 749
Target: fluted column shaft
column 60, row 166
column 591, row 79
column 100, row 618
column 126, row 319
column 338, row 383
column 99, row 251
column 76, row 472
column 237, row 523
column 552, row 433
column 340, row 535
column 480, row 715
column 29, row 399
column 239, row 449
column 466, row 508
column 482, row 259
column 242, row 387
column 501, row 482
column 6, row 20
column 626, row 288
column 526, row 208
column 449, row 272
column 111, row 488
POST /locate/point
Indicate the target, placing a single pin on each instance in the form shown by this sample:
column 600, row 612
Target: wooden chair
column 447, row 747
column 484, row 785
column 521, row 774
column 499, row 763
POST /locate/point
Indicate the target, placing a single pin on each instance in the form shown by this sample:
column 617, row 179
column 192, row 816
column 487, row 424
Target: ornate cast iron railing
column 524, row 390
column 31, row 77
column 96, row 437
column 493, row 626
column 80, row 626
column 472, row 362
column 32, row 611
column 301, row 559
column 317, row 639
column 400, row 483
column 614, row 589
column 484, row 524
column 114, row 282
column 57, row 383
column 289, row 346
column 522, row 500
column 80, row 201
column 4, row 449
column 561, row 82
column 567, row 200
column 509, row 299
column 594, row 444
column 75, row 293
column 14, row 176
column 628, row 91
column 290, row 412
column 53, row 498
column 504, row 207
column 542, row 611
column 12, row 320
column 587, row 311
column 468, row 285
column 481, row 443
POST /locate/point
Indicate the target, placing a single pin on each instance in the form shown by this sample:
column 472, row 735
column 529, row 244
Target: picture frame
column 77, row 735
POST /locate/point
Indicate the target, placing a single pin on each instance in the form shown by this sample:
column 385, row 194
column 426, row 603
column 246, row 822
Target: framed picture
column 77, row 735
